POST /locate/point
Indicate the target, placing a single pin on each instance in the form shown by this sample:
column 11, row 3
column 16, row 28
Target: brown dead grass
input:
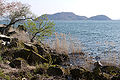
column 59, row 44
column 63, row 44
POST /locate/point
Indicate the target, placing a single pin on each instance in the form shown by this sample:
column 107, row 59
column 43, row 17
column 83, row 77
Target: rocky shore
column 22, row 60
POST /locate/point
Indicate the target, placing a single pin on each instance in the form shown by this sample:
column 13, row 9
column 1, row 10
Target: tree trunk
column 32, row 39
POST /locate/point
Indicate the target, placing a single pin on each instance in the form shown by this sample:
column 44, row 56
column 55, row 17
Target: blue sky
column 87, row 8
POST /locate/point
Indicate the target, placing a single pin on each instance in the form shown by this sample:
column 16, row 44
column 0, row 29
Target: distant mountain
column 66, row 16
column 72, row 16
column 99, row 17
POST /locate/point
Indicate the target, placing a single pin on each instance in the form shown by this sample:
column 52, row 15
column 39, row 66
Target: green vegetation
column 3, row 76
column 33, row 60
column 39, row 27
column 0, row 59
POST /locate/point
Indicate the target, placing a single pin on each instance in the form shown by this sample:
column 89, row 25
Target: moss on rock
column 3, row 76
column 54, row 71
column 77, row 73
column 112, row 70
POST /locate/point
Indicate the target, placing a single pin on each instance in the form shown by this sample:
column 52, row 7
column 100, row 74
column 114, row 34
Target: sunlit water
column 97, row 37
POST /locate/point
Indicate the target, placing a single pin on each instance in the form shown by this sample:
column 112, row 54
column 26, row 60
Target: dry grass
column 59, row 44
column 110, row 55
column 64, row 44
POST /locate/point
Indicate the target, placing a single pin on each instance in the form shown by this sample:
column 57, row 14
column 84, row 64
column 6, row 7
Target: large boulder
column 39, row 71
column 11, row 33
column 57, row 58
column 51, row 55
column 54, row 71
column 99, row 77
column 112, row 70
column 88, row 75
column 116, row 77
column 93, row 76
column 2, row 25
column 21, row 28
column 77, row 73
column 18, row 63
column 31, row 57
column 5, row 39
column 32, row 53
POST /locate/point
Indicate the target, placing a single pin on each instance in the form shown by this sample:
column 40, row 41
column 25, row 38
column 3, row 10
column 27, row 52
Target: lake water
column 96, row 36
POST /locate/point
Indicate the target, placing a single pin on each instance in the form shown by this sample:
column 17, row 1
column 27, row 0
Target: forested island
column 24, row 54
column 72, row 16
